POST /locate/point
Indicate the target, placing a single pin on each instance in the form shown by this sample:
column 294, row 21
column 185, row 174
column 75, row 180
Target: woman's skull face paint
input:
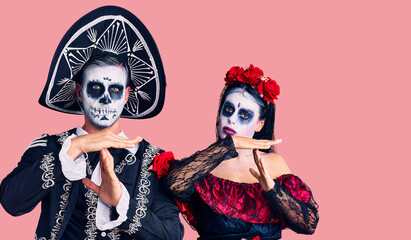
column 239, row 116
column 103, row 94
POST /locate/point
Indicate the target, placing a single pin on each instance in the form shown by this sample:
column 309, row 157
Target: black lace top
column 223, row 209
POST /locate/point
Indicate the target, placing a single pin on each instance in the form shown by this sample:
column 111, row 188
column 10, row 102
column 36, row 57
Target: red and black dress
column 222, row 209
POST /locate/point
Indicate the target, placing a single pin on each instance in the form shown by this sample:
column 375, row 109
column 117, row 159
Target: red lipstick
column 229, row 131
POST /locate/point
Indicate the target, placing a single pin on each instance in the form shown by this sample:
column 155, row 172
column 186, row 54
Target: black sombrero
column 114, row 31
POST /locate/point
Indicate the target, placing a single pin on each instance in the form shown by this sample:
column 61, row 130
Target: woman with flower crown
column 243, row 194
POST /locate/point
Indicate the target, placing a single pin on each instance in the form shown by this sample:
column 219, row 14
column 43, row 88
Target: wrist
column 270, row 185
column 75, row 148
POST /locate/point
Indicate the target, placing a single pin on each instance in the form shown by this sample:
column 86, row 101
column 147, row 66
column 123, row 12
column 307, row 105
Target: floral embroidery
column 62, row 137
column 129, row 160
column 88, row 165
column 91, row 201
column 114, row 234
column 60, row 215
column 143, row 187
column 47, row 166
column 63, row 206
column 36, row 238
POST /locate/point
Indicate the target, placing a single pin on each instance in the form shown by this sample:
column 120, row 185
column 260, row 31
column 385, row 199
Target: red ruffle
column 186, row 210
column 245, row 201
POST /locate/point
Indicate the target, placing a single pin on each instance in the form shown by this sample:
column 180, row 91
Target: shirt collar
column 80, row 131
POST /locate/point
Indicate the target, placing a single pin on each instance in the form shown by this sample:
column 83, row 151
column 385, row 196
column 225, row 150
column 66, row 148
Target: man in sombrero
column 92, row 181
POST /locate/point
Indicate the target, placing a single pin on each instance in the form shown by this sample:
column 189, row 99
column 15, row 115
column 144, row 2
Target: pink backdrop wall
column 343, row 113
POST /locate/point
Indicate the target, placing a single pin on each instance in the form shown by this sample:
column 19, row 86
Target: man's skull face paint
column 103, row 94
column 239, row 116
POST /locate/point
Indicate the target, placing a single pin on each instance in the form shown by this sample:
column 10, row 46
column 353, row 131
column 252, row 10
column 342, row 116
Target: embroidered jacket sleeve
column 293, row 201
column 36, row 174
column 185, row 173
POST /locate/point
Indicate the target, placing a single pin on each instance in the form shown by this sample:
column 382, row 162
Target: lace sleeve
column 185, row 173
column 292, row 200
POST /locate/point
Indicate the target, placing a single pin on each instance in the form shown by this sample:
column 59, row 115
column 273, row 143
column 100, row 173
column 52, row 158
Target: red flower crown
column 266, row 87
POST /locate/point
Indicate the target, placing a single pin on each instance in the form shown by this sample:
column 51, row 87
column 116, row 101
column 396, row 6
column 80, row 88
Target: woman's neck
column 244, row 154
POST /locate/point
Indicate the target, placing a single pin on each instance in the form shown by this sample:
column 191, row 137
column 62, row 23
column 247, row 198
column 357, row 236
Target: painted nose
column 105, row 99
column 231, row 119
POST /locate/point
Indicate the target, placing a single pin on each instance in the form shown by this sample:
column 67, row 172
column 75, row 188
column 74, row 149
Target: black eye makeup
column 228, row 109
column 245, row 116
column 95, row 89
column 115, row 91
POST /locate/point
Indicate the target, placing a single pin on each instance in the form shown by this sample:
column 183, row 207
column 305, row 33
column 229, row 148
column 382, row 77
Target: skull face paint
column 239, row 116
column 103, row 94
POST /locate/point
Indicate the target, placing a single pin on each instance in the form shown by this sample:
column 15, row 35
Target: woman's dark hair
column 267, row 111
column 102, row 60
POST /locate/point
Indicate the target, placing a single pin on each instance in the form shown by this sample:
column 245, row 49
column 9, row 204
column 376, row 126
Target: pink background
column 343, row 113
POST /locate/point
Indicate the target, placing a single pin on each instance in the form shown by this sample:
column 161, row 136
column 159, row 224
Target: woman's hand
column 263, row 177
column 250, row 143
column 98, row 141
column 110, row 189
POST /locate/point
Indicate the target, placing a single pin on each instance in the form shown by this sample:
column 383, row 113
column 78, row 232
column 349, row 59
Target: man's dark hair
column 102, row 60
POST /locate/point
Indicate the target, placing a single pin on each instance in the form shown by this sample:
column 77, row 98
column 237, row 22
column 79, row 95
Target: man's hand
column 98, row 141
column 263, row 177
column 250, row 143
column 110, row 189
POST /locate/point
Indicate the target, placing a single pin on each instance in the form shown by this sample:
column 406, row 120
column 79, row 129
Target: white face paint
column 239, row 116
column 103, row 94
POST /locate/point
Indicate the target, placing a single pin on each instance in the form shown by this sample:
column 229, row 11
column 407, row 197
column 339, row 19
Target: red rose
column 260, row 87
column 271, row 90
column 162, row 162
column 232, row 74
column 251, row 76
column 253, row 72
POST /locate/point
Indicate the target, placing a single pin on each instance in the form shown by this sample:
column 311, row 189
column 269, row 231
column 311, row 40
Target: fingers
column 276, row 141
column 257, row 158
column 105, row 139
column 103, row 159
column 249, row 143
column 266, row 144
column 123, row 142
column 256, row 154
column 106, row 160
column 137, row 139
column 254, row 173
column 262, row 167
column 89, row 184
column 259, row 162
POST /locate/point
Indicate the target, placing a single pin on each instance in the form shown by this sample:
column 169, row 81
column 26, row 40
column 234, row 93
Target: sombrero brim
column 115, row 31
